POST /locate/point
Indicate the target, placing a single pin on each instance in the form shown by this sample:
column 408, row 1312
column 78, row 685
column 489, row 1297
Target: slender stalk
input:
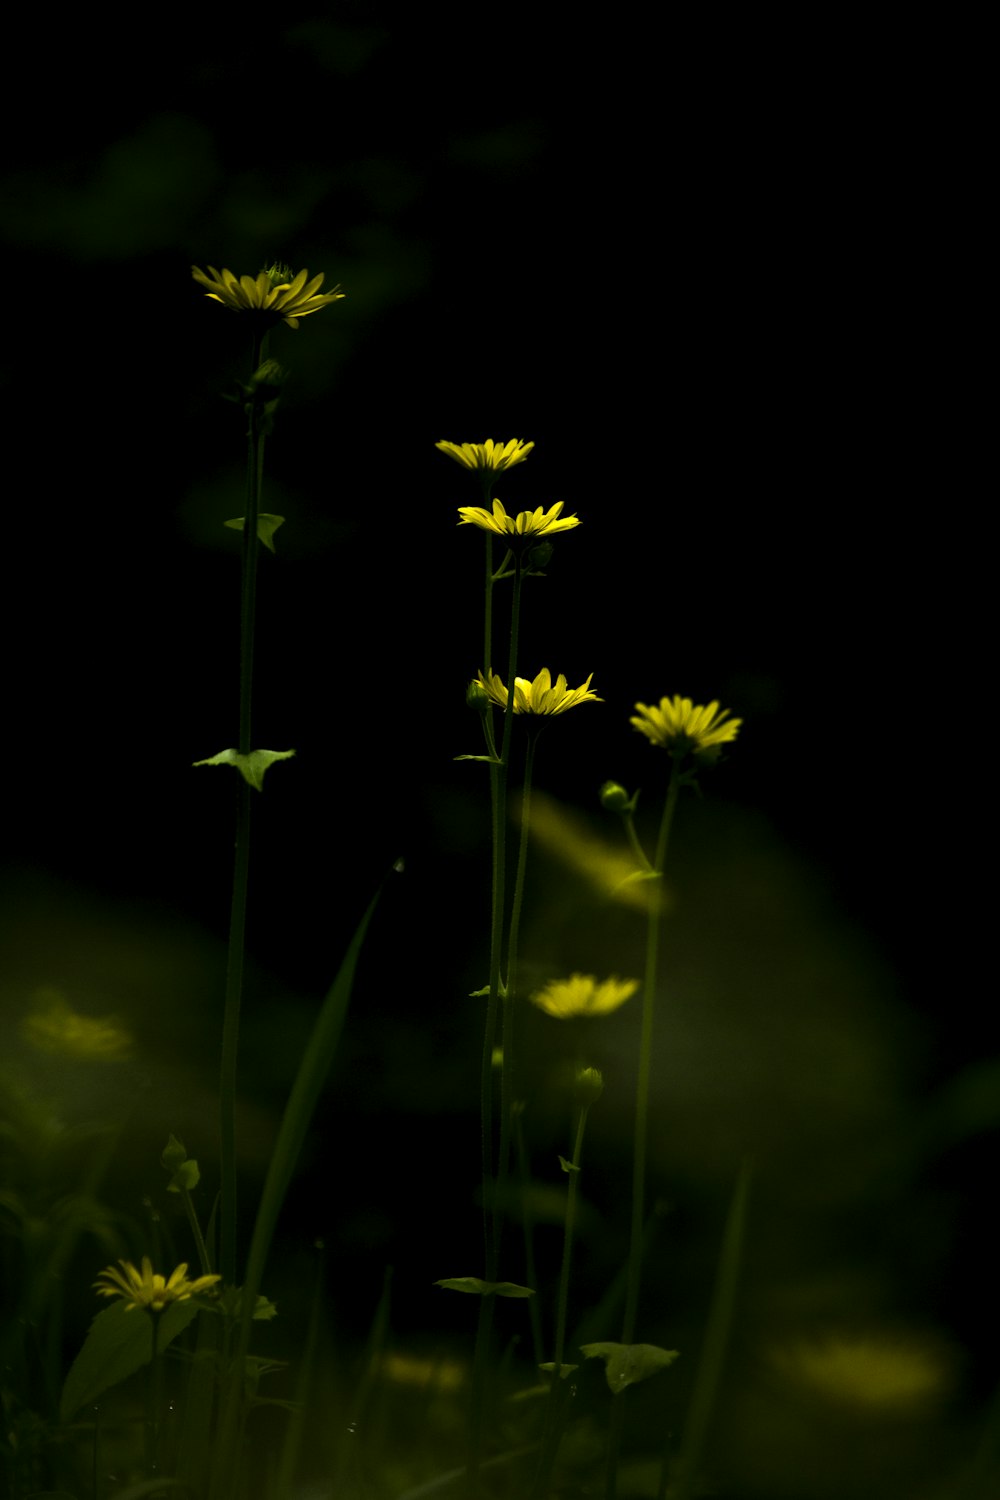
column 524, row 1175
column 550, row 1445
column 492, row 1216
column 645, row 1064
column 633, row 1277
column 241, row 864
column 196, row 1234
column 154, row 1400
column 507, row 1064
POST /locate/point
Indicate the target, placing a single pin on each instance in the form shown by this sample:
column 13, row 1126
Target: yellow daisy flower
column 679, row 726
column 584, row 995
column 274, row 293
column 543, row 696
column 489, row 455
column 144, row 1289
column 528, row 524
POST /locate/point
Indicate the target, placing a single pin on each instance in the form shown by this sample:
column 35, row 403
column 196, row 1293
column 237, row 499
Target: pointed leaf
column 119, row 1342
column 480, row 1288
column 627, row 1364
column 567, row 1166
column 251, row 767
column 267, row 525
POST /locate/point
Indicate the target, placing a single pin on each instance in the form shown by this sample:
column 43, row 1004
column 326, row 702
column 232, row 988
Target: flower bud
column 540, row 556
column 614, row 798
column 477, row 697
column 588, row 1086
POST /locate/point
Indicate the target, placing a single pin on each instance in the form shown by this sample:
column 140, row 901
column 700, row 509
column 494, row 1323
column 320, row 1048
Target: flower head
column 144, row 1289
column 583, row 995
column 679, row 726
column 490, row 456
column 539, row 697
column 517, row 529
column 274, row 293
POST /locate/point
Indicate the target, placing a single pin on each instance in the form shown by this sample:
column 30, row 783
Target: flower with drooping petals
column 516, row 530
column 491, row 456
column 584, row 995
column 146, row 1289
column 681, row 727
column 542, row 696
column 274, row 294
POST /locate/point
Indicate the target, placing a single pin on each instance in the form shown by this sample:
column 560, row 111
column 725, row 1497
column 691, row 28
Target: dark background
column 714, row 277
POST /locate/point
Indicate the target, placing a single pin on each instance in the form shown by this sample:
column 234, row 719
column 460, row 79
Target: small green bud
column 614, row 798
column 540, row 556
column 477, row 697
column 588, row 1086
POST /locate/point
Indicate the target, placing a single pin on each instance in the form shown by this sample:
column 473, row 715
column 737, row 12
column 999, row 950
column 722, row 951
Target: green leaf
column 490, row 760
column 480, row 1288
column 306, row 1090
column 565, row 1370
column 174, row 1152
column 119, row 1342
column 251, row 767
column 627, row 1364
column 567, row 1166
column 267, row 525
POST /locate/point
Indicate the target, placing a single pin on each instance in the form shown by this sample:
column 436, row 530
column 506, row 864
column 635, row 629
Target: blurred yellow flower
column 679, row 726
column 274, row 292
column 584, row 995
column 489, row 455
column 145, row 1289
column 527, row 524
column 539, row 697
column 877, row 1372
column 56, row 1027
column 608, row 868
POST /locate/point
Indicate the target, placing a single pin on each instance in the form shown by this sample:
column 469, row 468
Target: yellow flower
column 680, row 727
column 55, row 1027
column 539, row 697
column 489, row 455
column 583, row 995
column 529, row 524
column 275, row 292
column 144, row 1289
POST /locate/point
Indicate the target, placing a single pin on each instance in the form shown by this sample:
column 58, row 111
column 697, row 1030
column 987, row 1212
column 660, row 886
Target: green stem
column 642, row 1118
column 633, row 839
column 646, row 1061
column 491, row 1213
column 507, row 1056
column 241, row 865
column 154, row 1398
column 568, row 1233
column 524, row 1175
column 550, row 1446
column 195, row 1227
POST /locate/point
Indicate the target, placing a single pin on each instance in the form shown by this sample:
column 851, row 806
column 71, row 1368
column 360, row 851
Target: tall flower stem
column 633, row 1276
column 646, row 1060
column 510, row 988
column 154, row 1399
column 241, row 865
column 491, row 1211
column 551, row 1441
